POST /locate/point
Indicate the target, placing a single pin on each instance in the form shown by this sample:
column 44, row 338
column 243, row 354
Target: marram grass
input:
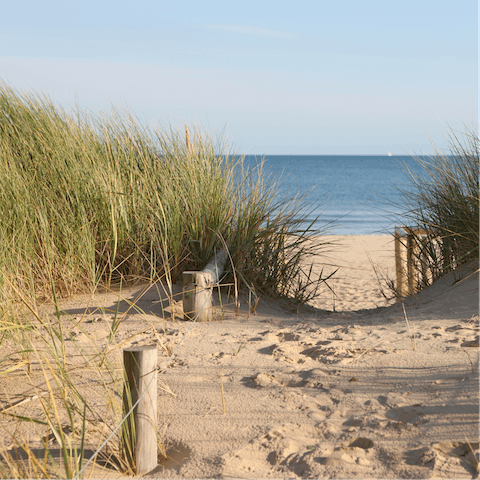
column 95, row 201
column 87, row 200
column 442, row 198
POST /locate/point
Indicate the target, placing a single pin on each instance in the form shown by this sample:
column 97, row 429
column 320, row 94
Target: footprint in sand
column 448, row 459
column 281, row 450
column 288, row 336
column 329, row 354
column 410, row 414
column 279, row 386
column 401, row 410
column 288, row 353
column 264, row 380
column 304, row 352
column 295, row 450
column 358, row 452
column 315, row 378
column 348, row 333
column 378, row 423
column 388, row 415
column 471, row 343
column 296, row 348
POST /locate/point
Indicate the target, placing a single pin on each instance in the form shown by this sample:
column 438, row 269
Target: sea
column 350, row 194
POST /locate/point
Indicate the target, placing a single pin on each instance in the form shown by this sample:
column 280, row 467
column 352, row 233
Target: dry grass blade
column 411, row 332
column 368, row 349
column 475, row 464
column 23, row 402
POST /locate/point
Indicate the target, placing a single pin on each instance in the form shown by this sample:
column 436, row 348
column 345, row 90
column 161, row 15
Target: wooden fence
column 411, row 250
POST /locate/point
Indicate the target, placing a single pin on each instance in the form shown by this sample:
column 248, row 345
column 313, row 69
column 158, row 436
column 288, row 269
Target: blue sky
column 303, row 77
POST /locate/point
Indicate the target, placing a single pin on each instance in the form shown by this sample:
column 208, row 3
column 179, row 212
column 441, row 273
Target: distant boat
column 389, row 154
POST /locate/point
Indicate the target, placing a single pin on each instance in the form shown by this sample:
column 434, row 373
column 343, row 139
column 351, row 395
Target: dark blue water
column 354, row 195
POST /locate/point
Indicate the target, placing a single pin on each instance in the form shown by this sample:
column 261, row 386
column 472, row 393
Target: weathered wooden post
column 411, row 244
column 139, row 436
column 198, row 286
column 197, row 296
column 411, row 263
column 399, row 264
column 423, row 259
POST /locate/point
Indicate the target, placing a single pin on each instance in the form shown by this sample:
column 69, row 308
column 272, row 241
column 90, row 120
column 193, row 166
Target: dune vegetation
column 441, row 199
column 91, row 202
column 88, row 200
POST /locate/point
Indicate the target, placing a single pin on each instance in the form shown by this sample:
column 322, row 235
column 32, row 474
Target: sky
column 316, row 77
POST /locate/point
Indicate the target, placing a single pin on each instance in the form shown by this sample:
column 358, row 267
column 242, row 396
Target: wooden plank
column 423, row 260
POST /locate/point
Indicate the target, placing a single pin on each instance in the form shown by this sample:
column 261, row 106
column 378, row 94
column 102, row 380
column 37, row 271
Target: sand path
column 310, row 394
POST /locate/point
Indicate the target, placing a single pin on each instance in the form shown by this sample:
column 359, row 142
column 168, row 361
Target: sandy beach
column 344, row 388
column 355, row 285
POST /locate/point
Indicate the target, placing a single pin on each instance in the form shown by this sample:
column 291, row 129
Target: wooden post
column 197, row 288
column 423, row 260
column 197, row 296
column 411, row 264
column 411, row 244
column 399, row 264
column 139, row 436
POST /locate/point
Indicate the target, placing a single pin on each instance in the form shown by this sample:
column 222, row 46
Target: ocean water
column 354, row 195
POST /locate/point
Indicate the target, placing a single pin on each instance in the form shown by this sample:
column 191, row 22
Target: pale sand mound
column 317, row 394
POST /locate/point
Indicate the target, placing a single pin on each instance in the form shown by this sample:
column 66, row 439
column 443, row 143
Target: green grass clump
column 443, row 198
column 98, row 201
column 88, row 200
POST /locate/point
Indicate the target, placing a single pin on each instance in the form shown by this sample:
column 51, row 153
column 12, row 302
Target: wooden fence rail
column 410, row 260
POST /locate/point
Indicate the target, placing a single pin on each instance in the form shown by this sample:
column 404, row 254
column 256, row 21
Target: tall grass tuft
column 443, row 199
column 99, row 201
column 88, row 200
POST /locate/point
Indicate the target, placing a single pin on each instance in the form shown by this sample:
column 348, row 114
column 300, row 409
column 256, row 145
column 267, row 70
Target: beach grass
column 91, row 202
column 88, row 200
column 441, row 200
